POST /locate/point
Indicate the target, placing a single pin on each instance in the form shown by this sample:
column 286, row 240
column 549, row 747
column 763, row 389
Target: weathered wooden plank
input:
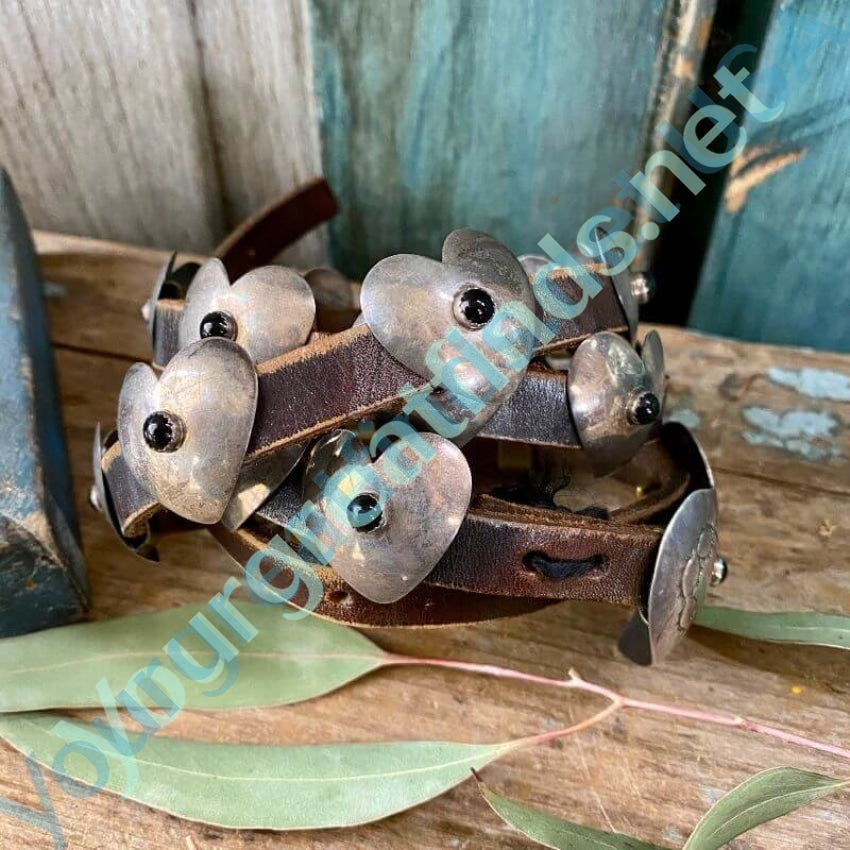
column 42, row 573
column 258, row 75
column 776, row 267
column 513, row 118
column 104, row 128
column 785, row 530
column 86, row 317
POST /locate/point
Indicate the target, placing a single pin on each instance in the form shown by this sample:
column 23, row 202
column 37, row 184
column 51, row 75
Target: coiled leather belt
column 485, row 440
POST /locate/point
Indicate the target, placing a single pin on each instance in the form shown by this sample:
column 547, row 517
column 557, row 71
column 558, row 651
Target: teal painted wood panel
column 510, row 117
column 777, row 269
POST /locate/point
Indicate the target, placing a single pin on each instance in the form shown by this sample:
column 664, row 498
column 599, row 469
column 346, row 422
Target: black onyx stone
column 163, row 432
column 476, row 306
column 364, row 512
column 218, row 324
column 645, row 409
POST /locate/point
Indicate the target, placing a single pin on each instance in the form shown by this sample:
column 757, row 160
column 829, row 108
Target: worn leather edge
column 260, row 238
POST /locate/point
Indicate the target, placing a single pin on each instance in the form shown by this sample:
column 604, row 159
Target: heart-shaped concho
column 437, row 318
column 396, row 516
column 616, row 396
column 268, row 311
column 185, row 433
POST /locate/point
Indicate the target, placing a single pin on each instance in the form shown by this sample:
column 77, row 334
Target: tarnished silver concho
column 171, row 282
column 686, row 564
column 616, row 396
column 412, row 303
column 395, row 522
column 268, row 311
column 184, row 433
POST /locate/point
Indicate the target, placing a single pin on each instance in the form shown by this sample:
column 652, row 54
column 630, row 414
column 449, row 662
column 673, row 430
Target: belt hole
column 339, row 597
column 561, row 569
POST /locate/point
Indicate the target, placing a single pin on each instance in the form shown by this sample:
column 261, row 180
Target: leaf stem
column 618, row 702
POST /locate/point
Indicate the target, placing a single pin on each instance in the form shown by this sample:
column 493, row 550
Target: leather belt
column 493, row 566
column 341, row 378
column 530, row 531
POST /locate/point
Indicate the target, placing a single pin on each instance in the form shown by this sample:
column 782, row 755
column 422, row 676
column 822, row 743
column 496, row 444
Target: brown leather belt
column 341, row 378
column 521, row 546
column 510, row 558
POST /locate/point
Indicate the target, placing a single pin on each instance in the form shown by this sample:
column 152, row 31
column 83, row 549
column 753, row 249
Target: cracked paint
column 814, row 383
column 807, row 433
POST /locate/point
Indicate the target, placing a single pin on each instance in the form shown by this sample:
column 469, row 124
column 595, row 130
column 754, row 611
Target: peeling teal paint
column 807, row 433
column 42, row 575
column 814, row 383
column 674, row 835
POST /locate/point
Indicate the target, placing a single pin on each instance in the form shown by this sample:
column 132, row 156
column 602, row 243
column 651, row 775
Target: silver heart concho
column 395, row 515
column 185, row 433
column 685, row 565
column 435, row 318
column 616, row 396
column 268, row 311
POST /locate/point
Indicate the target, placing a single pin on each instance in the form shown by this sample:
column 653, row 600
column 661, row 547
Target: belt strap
column 509, row 558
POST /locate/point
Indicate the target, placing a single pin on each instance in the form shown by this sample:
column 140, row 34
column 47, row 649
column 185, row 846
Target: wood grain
column 258, row 76
column 774, row 271
column 513, row 118
column 785, row 527
column 104, row 125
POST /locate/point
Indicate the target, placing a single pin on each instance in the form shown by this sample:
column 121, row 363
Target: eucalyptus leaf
column 763, row 797
column 285, row 662
column 246, row 786
column 551, row 831
column 805, row 627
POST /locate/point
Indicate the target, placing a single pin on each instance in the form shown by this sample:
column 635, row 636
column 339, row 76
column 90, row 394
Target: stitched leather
column 484, row 574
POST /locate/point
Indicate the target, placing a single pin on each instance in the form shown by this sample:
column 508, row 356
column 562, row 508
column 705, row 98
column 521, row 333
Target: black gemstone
column 218, row 324
column 364, row 512
column 476, row 307
column 163, row 432
column 645, row 409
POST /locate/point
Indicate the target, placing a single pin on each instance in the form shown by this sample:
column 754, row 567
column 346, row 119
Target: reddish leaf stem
column 618, row 702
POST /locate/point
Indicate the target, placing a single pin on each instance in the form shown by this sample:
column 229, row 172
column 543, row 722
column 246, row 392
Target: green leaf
column 245, row 786
column 552, row 831
column 805, row 627
column 763, row 797
column 286, row 662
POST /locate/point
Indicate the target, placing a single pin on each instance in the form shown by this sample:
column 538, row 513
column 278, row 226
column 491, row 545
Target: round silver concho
column 683, row 571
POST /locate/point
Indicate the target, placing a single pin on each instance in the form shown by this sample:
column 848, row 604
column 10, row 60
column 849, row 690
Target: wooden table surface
column 779, row 441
